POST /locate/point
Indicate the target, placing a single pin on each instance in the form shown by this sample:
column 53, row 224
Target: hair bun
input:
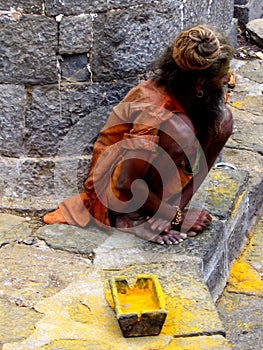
column 196, row 49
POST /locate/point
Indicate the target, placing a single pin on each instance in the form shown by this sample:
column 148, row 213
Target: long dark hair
column 182, row 84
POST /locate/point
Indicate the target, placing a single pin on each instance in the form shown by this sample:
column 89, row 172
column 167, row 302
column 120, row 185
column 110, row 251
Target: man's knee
column 227, row 125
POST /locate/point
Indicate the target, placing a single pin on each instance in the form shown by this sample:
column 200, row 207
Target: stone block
column 246, row 11
column 25, row 6
column 220, row 191
column 28, row 50
column 73, row 116
column 71, row 7
column 126, row 41
column 75, row 34
column 35, row 177
column 36, row 184
column 12, row 119
column 72, row 239
column 74, row 68
column 45, row 124
column 241, row 2
column 236, row 239
column 220, row 13
column 118, row 4
column 216, row 281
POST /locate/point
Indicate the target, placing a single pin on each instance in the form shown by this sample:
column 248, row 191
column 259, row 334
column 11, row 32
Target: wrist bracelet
column 177, row 219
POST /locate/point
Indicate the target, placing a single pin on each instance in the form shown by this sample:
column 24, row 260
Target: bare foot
column 55, row 217
column 136, row 225
column 195, row 220
column 170, row 237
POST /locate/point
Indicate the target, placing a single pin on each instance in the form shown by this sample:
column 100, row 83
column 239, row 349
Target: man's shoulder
column 180, row 121
column 177, row 135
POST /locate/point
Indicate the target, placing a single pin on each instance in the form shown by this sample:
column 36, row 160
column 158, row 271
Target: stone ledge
column 83, row 311
column 188, row 273
column 225, row 195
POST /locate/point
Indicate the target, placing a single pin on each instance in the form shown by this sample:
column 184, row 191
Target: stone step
column 81, row 315
column 192, row 275
column 224, row 194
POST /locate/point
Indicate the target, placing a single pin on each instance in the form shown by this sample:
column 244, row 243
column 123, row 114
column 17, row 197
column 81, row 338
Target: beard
column 208, row 112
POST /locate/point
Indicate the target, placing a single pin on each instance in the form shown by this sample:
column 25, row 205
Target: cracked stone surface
column 241, row 305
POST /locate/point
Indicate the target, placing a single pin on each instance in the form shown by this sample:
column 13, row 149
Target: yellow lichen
column 244, row 278
column 79, row 312
column 237, row 104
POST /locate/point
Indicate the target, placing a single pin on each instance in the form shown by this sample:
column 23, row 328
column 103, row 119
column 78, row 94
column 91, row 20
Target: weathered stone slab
column 220, row 192
column 35, row 184
column 22, row 320
column 87, row 302
column 186, row 298
column 248, row 127
column 215, row 342
column 13, row 229
column 28, row 47
column 25, row 6
column 28, row 275
column 45, row 123
column 12, row 119
column 72, row 238
column 255, row 30
column 252, row 70
column 75, row 34
column 243, row 320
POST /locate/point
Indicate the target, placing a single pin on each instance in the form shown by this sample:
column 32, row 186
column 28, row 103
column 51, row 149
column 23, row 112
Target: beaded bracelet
column 177, row 219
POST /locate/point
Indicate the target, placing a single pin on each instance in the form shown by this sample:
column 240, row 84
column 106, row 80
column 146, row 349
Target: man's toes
column 157, row 239
column 191, row 233
column 170, row 240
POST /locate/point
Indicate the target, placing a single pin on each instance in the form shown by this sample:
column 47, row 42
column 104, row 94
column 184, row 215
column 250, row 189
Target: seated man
column 158, row 145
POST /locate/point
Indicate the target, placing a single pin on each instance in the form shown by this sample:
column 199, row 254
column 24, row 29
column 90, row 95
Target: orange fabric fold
column 132, row 125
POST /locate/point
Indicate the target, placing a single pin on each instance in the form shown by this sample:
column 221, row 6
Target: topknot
column 196, row 49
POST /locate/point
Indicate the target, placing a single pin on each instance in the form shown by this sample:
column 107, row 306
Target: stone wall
column 247, row 10
column 63, row 64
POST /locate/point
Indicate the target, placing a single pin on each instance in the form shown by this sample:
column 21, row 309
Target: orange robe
column 133, row 124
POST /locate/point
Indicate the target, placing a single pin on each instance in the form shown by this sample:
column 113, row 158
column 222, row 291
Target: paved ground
column 54, row 290
column 240, row 307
